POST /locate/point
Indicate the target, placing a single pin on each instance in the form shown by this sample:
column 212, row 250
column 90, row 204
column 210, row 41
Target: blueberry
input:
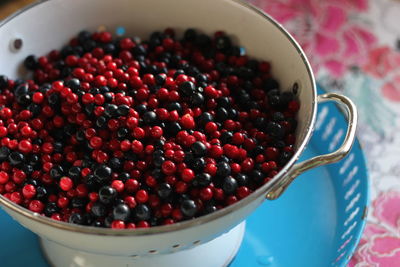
column 98, row 223
column 274, row 100
column 78, row 202
column 157, row 174
column 203, row 41
column 54, row 99
column 3, row 82
column 37, row 141
column 16, row 158
column 190, row 35
column 101, row 122
column 69, row 130
column 164, row 190
column 121, row 212
column 102, row 173
column 83, row 36
column 139, row 50
column 27, row 168
column 76, row 218
column 242, row 179
column 122, row 133
column 89, row 45
column 257, row 151
column 94, row 91
column 111, row 110
column 41, row 193
column 123, row 110
column 107, row 194
column 229, row 185
column 223, row 102
column 223, row 43
column 21, row 90
column 31, row 62
column 270, row 84
column 142, row 212
column 199, row 149
column 108, row 221
column 58, row 147
column 4, row 152
column 198, row 164
column 87, row 219
column 115, row 164
column 154, row 221
column 35, row 109
column 188, row 208
column 246, row 73
column 158, row 161
column 65, row 72
column 226, row 137
column 204, row 118
column 210, row 208
column 224, row 158
column 221, row 114
column 257, row 176
column 284, row 157
column 278, row 116
column 174, row 106
column 50, row 209
column 158, row 153
column 202, row 179
column 130, row 155
column 124, row 176
column 232, row 114
column 44, row 88
column 73, row 83
column 260, row 123
column 275, row 130
column 24, row 100
column 187, row 88
column 223, row 169
column 197, row 99
column 172, row 128
column 150, row 117
column 109, row 48
column 160, row 78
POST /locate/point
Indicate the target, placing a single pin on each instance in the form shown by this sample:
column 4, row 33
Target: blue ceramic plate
column 317, row 222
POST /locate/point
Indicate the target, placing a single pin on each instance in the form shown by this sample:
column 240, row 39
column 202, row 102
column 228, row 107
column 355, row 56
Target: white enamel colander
column 210, row 240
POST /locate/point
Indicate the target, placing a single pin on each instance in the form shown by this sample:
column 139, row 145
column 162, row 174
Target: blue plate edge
column 356, row 145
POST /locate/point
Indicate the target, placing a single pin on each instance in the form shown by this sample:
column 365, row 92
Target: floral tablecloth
column 354, row 48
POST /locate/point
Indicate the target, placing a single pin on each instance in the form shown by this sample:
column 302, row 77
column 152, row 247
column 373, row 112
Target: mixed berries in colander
column 122, row 133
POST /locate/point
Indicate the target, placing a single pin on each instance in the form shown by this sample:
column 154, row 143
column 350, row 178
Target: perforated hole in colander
column 120, row 31
column 16, row 44
column 101, row 28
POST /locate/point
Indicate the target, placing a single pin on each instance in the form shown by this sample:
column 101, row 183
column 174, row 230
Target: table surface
column 354, row 48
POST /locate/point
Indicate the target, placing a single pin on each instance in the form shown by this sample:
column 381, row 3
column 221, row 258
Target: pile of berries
column 123, row 133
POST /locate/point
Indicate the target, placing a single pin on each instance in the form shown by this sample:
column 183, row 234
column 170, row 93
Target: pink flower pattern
column 380, row 244
column 383, row 63
column 323, row 30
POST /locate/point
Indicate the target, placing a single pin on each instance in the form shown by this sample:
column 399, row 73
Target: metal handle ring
column 280, row 187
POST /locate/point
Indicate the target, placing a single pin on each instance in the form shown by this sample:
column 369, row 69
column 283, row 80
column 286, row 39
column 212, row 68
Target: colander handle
column 281, row 185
